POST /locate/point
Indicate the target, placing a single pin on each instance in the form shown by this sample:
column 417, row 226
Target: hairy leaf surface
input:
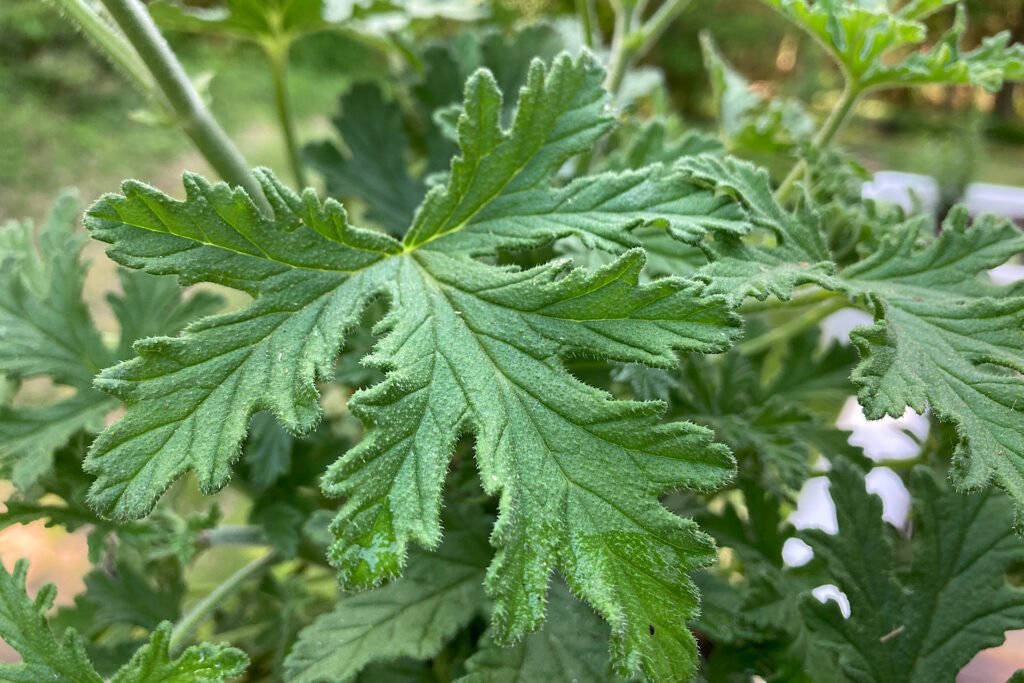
column 467, row 347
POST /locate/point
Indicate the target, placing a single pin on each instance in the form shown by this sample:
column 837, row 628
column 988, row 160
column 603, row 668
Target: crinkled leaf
column 467, row 346
column 24, row 628
column 204, row 663
column 948, row 339
column 924, row 622
column 572, row 646
column 256, row 20
column 374, row 166
column 415, row 616
column 863, row 36
column 789, row 253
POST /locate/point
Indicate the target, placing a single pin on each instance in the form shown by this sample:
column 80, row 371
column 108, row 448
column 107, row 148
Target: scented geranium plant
column 528, row 393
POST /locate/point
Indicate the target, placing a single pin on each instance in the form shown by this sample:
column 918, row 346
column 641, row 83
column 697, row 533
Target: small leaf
column 24, row 628
column 204, row 663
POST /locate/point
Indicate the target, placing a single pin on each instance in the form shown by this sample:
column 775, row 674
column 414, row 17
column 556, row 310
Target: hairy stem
column 113, row 46
column 184, row 629
column 833, row 124
column 792, row 327
column 277, row 53
column 196, row 120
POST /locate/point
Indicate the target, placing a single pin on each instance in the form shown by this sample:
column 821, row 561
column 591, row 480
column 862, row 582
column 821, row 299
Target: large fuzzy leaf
column 924, row 622
column 949, row 339
column 467, row 347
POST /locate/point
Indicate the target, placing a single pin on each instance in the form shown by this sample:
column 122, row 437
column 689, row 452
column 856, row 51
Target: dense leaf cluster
column 537, row 383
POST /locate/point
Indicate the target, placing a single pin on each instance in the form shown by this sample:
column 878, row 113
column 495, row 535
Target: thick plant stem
column 277, row 53
column 792, row 327
column 184, row 629
column 196, row 120
column 113, row 47
column 833, row 124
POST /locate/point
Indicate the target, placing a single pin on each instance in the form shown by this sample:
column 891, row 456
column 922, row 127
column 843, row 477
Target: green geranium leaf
column 923, row 622
column 791, row 252
column 47, row 331
column 862, row 37
column 572, row 646
column 948, row 339
column 467, row 346
column 24, row 627
column 411, row 617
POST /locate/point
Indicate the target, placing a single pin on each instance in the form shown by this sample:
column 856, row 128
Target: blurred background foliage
column 70, row 119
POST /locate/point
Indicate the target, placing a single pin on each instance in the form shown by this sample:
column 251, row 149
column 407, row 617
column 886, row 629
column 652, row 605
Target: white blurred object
column 837, row 326
column 883, row 439
column 1006, row 274
column 1003, row 200
column 830, row 592
column 814, row 508
column 907, row 190
column 796, row 553
column 895, row 496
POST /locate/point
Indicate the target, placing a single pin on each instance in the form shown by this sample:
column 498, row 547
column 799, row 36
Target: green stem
column 814, row 296
column 277, row 53
column 900, row 463
column 833, row 124
column 184, row 629
column 792, row 327
column 232, row 534
column 585, row 10
column 196, row 120
column 112, row 45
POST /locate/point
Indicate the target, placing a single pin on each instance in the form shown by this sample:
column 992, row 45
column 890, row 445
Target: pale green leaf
column 203, row 663
column 747, row 120
column 864, row 38
column 24, row 628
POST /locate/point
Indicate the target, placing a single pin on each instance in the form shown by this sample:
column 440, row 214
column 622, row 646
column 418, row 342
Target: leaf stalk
column 184, row 629
column 793, row 327
column 196, row 120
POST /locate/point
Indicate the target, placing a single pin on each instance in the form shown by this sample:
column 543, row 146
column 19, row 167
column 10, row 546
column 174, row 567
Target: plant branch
column 630, row 46
column 184, row 629
column 233, row 534
column 792, row 327
column 833, row 124
column 588, row 21
column 196, row 120
column 277, row 54
column 113, row 46
column 808, row 298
